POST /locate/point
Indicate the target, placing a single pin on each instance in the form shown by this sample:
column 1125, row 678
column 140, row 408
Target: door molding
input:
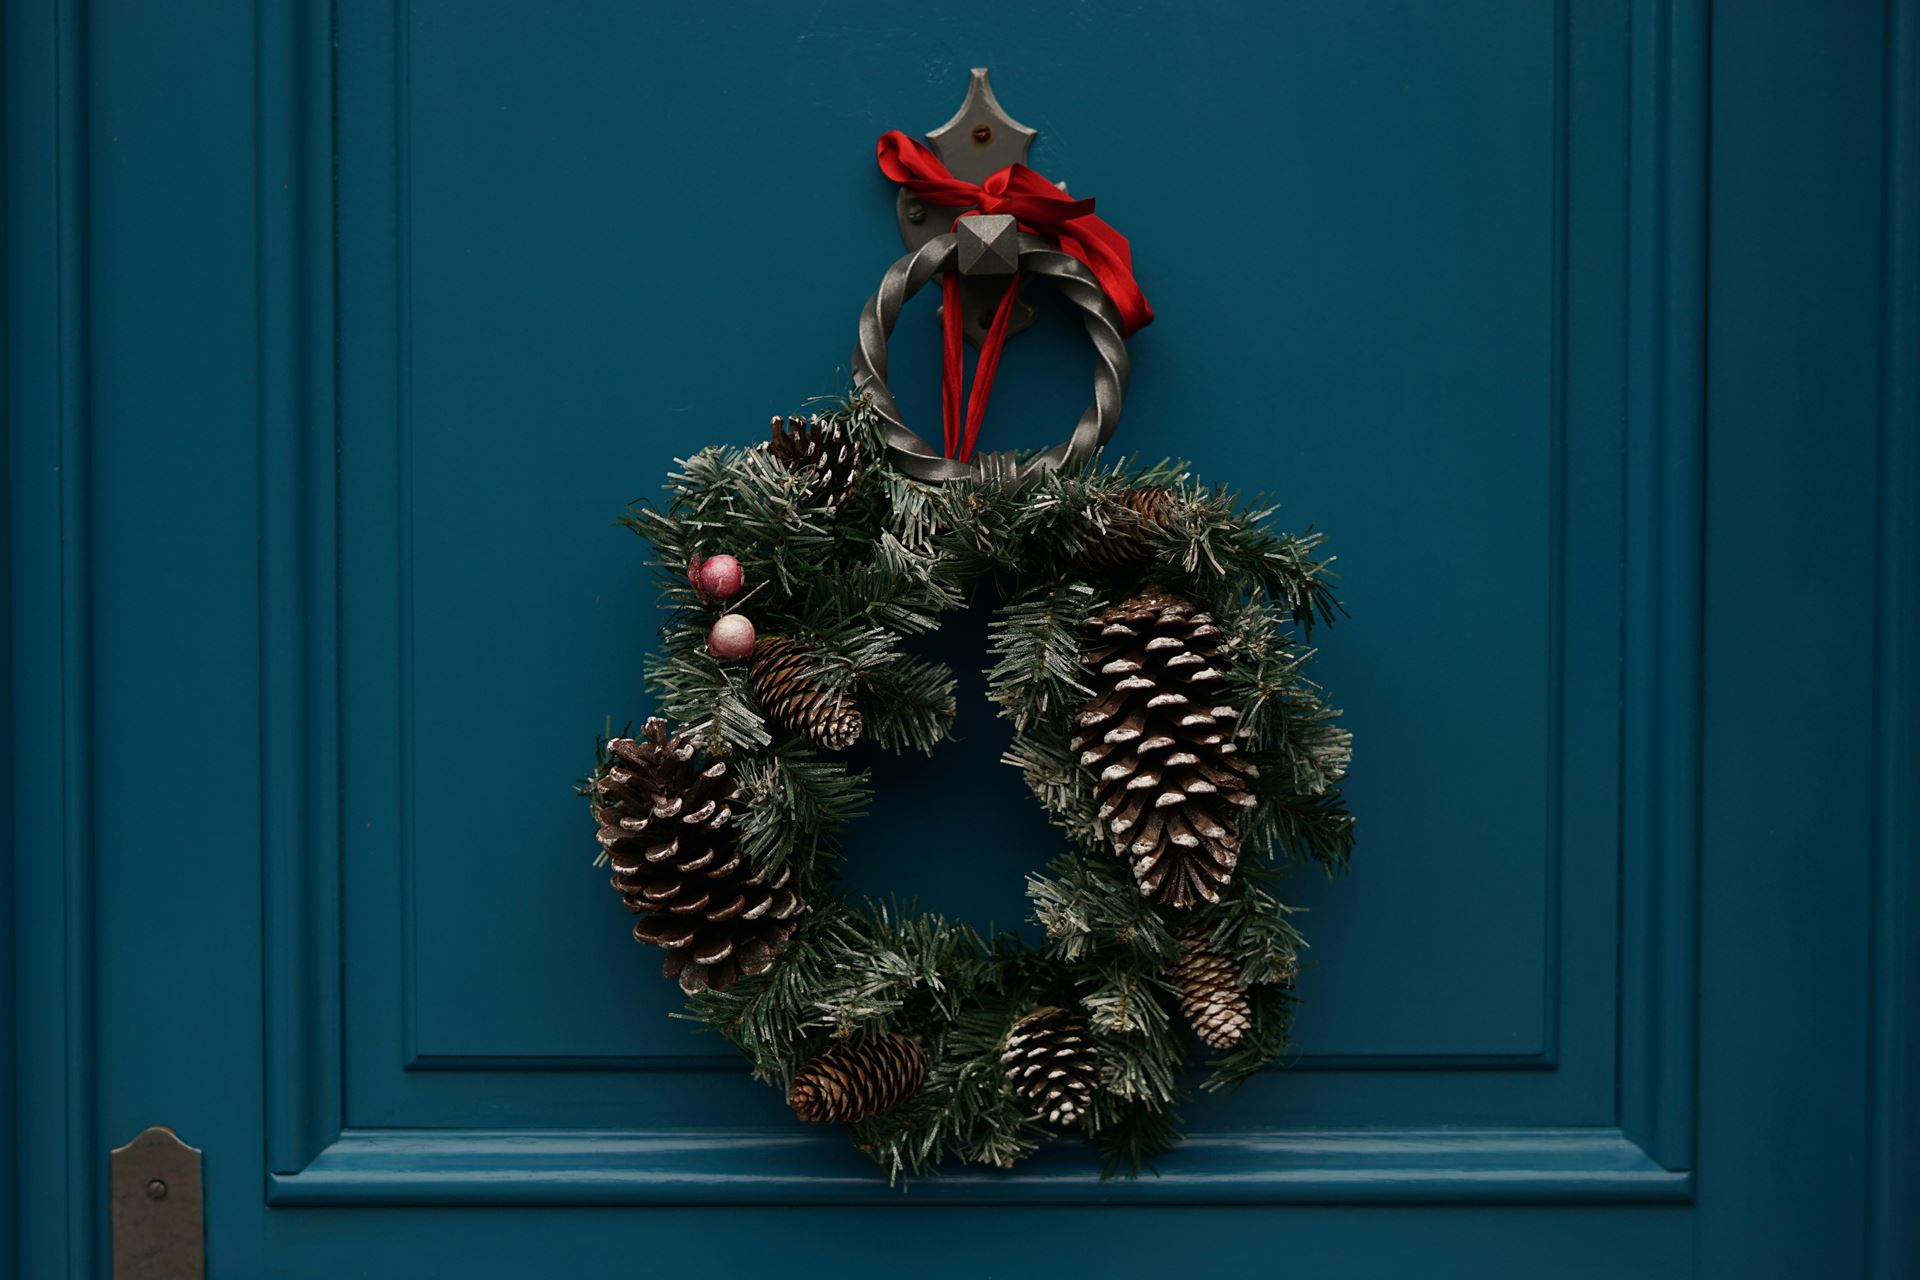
column 1893, row 1101
column 51, row 1174
column 1666, row 552
column 453, row 1167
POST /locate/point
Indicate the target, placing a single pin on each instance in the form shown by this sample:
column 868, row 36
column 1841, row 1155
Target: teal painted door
column 337, row 336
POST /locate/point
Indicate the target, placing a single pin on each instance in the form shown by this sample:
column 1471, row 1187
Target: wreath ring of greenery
column 1148, row 627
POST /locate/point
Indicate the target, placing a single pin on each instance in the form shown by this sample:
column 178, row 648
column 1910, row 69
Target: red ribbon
column 1040, row 208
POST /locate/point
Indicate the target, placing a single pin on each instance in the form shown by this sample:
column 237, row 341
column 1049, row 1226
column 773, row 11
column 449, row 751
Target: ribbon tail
column 953, row 362
column 990, row 349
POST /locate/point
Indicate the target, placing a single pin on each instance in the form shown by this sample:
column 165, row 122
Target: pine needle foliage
column 854, row 585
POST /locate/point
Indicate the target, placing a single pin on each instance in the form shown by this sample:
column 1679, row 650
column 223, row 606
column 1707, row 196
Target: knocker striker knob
column 987, row 244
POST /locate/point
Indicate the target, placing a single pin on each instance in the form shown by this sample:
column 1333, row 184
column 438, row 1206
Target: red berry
column 732, row 637
column 719, row 577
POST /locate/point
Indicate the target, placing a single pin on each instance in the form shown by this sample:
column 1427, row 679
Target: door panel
column 486, row 615
column 534, row 150
column 339, row 334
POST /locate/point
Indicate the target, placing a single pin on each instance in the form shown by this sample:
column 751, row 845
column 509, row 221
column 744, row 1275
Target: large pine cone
column 1050, row 1057
column 781, row 682
column 858, row 1081
column 824, row 450
column 664, row 823
column 1158, row 739
column 1129, row 537
column 1210, row 996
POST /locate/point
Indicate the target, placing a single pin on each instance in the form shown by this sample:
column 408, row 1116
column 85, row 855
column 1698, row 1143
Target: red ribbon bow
column 1038, row 205
column 1040, row 208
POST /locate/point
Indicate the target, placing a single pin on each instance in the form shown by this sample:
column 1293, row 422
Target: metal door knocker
column 978, row 243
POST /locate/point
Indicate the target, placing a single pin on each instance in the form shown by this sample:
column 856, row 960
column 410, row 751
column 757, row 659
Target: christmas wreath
column 1149, row 649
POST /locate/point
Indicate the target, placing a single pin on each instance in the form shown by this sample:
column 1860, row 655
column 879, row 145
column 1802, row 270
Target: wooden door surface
column 339, row 334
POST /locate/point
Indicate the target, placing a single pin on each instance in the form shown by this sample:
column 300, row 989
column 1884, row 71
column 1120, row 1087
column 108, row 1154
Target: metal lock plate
column 158, row 1220
column 980, row 140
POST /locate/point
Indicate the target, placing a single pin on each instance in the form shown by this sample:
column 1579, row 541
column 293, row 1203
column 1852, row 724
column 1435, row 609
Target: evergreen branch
column 908, row 704
column 1134, row 1136
column 794, row 799
column 1036, row 640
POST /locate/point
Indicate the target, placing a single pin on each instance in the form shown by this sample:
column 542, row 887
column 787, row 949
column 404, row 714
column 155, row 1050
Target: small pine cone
column 781, row 682
column 858, row 1081
column 665, row 824
column 1210, row 996
column 1049, row 1056
column 1158, row 739
column 1130, row 529
column 824, row 450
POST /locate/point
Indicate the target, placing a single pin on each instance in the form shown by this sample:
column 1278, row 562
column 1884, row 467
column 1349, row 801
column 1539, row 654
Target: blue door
column 338, row 334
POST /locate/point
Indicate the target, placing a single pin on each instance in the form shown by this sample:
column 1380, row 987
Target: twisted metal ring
column 1111, row 369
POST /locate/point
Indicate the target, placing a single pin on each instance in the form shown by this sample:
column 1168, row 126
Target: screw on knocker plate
column 980, row 140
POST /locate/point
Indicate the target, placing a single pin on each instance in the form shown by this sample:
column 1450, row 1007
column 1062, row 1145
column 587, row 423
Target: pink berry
column 732, row 637
column 719, row 577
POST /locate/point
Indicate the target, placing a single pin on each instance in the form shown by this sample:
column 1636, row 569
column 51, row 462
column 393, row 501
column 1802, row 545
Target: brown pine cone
column 825, row 450
column 665, row 824
column 1158, row 739
column 858, row 1081
column 1050, row 1058
column 784, row 687
column 1210, row 996
column 1137, row 514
